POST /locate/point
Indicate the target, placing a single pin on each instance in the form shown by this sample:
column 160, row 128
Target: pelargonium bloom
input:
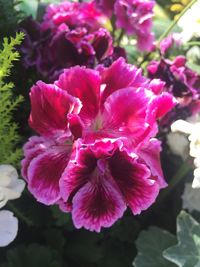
column 134, row 17
column 90, row 123
column 70, row 34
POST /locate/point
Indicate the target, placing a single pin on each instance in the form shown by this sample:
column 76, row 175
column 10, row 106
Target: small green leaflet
column 187, row 252
column 150, row 246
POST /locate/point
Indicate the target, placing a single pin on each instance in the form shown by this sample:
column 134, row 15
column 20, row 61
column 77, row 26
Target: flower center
column 98, row 123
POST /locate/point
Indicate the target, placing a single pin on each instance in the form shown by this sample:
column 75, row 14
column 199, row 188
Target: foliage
column 32, row 256
column 187, row 252
column 9, row 17
column 150, row 245
column 8, row 129
column 157, row 247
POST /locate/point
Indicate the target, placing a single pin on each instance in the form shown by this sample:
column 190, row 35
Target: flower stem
column 175, row 21
column 120, row 37
column 19, row 214
column 193, row 43
column 181, row 173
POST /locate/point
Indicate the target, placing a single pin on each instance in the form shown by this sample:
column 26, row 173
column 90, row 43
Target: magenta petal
column 97, row 205
column 32, row 142
column 49, row 108
column 45, row 171
column 77, row 173
column 33, row 148
column 120, row 75
column 89, row 190
column 75, row 125
column 134, row 180
column 125, row 114
column 145, row 42
column 102, row 43
column 84, row 84
column 84, row 163
column 150, row 153
column 160, row 105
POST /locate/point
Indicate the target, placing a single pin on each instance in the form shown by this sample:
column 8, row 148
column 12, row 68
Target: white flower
column 191, row 198
column 8, row 227
column 191, row 128
column 178, row 144
column 190, row 22
column 10, row 186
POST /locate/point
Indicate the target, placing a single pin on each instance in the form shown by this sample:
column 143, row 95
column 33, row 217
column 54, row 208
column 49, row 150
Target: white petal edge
column 8, row 227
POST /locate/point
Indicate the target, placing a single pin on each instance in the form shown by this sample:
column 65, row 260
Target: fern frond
column 8, row 129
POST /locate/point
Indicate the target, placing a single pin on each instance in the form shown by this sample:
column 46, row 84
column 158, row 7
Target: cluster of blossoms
column 70, row 34
column 180, row 81
column 134, row 17
column 10, row 188
column 96, row 153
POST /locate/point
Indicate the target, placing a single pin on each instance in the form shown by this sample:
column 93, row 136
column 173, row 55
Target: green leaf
column 29, row 7
column 187, row 252
column 150, row 246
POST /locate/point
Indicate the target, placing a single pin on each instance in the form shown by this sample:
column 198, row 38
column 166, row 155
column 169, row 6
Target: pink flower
column 134, row 16
column 95, row 154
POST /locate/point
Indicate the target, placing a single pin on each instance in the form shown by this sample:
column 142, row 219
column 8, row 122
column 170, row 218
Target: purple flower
column 181, row 82
column 179, row 79
column 35, row 38
column 61, row 41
